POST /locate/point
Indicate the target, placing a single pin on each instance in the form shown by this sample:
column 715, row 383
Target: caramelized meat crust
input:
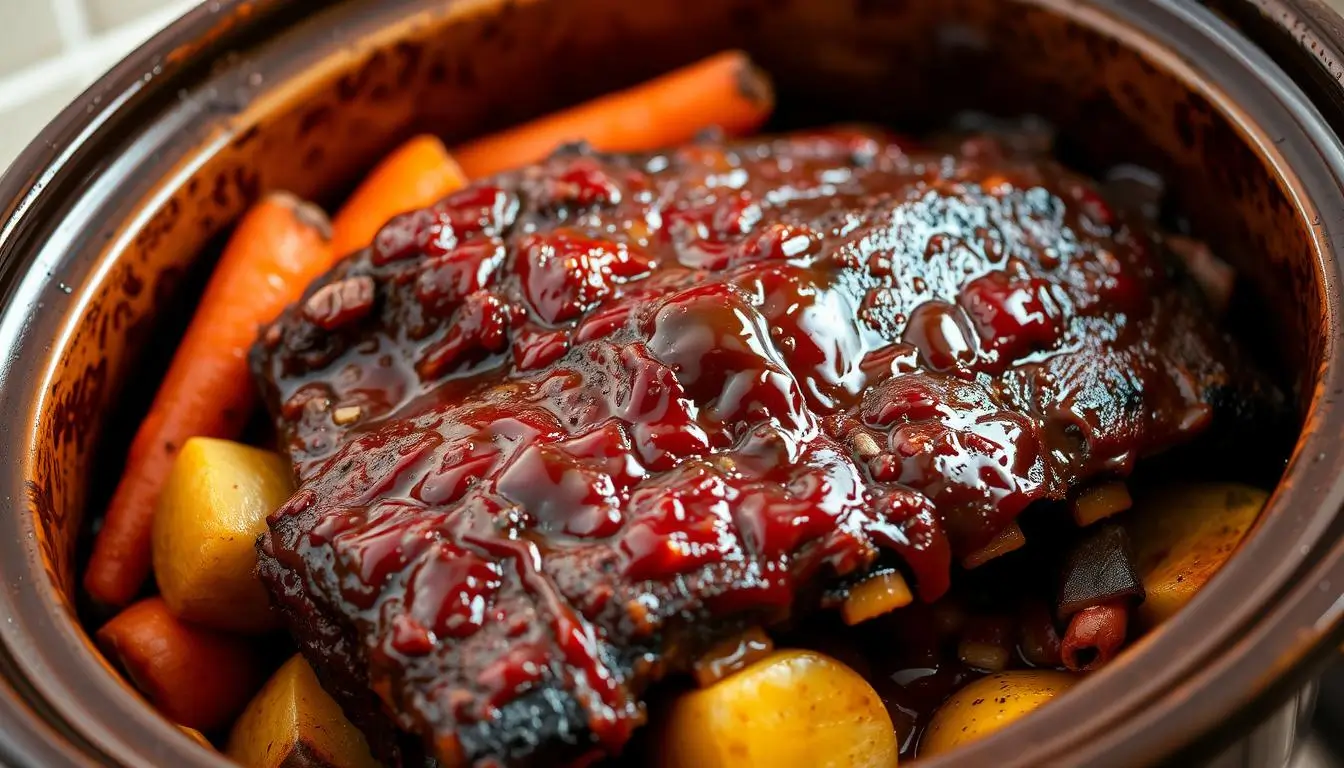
column 565, row 428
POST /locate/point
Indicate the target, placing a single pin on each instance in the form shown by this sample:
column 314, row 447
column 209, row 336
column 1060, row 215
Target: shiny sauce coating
column 563, row 429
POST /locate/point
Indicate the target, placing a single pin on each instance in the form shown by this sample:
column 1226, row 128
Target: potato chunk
column 989, row 704
column 1182, row 535
column 205, row 530
column 792, row 709
column 294, row 723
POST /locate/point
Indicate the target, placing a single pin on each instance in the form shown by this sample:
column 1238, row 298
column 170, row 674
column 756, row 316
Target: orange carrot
column 418, row 173
column 279, row 247
column 725, row 90
column 195, row 677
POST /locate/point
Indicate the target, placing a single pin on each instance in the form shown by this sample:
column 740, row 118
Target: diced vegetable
column 279, row 247
column 989, row 704
column 414, row 176
column 1099, row 569
column 795, row 709
column 1183, row 535
column 1007, row 540
column 294, row 723
column 194, row 676
column 210, row 514
column 985, row 643
column 982, row 656
column 726, row 91
column 878, row 594
column 1094, row 636
column 731, row 656
column 1100, row 502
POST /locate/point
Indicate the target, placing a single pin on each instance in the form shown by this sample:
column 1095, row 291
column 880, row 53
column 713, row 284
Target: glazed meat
column 563, row 430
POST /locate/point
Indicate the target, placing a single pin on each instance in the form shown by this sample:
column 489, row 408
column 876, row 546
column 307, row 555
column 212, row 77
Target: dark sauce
column 565, row 429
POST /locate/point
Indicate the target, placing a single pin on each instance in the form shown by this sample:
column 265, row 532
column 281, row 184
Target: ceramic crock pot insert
column 129, row 189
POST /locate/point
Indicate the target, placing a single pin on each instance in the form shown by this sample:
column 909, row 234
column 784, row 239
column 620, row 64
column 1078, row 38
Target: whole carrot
column 415, row 175
column 279, row 247
column 725, row 90
column 196, row 677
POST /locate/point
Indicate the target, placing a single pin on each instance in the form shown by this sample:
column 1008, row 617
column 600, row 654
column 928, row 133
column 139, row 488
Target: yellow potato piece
column 1182, row 535
column 792, row 709
column 989, row 704
column 212, row 510
column 294, row 723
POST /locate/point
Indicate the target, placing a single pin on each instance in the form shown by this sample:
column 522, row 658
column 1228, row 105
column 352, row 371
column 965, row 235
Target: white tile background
column 50, row 50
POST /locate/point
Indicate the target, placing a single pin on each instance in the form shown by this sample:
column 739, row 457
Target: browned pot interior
column 309, row 108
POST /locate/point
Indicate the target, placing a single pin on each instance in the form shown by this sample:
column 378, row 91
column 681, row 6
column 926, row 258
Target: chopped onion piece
column 865, row 446
column 1100, row 502
column 732, row 655
column 879, row 594
column 984, row 656
column 1009, row 539
column 347, row 415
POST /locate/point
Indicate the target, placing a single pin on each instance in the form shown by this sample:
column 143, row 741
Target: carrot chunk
column 196, row 677
column 279, row 247
column 1007, row 540
column 725, row 90
column 879, row 594
column 418, row 173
